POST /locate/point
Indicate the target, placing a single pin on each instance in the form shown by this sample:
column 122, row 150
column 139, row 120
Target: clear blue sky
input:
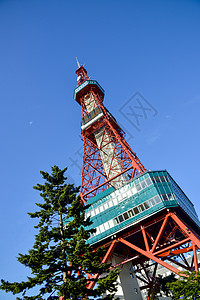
column 150, row 47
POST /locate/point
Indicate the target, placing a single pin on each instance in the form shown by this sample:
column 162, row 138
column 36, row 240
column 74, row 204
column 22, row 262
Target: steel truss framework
column 123, row 160
column 165, row 241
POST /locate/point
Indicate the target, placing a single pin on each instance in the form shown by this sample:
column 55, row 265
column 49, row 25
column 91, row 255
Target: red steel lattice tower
column 107, row 158
column 154, row 223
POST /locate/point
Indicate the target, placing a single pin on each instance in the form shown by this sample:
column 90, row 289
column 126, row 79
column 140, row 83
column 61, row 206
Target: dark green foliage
column 186, row 287
column 61, row 256
column 163, row 284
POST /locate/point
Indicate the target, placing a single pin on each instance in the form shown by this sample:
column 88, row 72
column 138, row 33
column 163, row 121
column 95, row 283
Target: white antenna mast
column 77, row 62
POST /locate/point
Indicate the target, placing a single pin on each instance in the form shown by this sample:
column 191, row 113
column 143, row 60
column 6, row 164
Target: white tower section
column 107, row 147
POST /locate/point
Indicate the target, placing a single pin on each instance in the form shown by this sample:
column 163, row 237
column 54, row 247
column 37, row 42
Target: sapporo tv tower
column 142, row 218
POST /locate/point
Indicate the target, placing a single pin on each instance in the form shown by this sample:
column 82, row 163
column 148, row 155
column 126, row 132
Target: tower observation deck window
column 138, row 187
column 160, row 179
column 143, row 184
column 128, row 214
column 91, row 117
column 137, row 209
column 168, row 197
column 118, row 196
column 121, row 219
column 125, row 216
column 116, row 221
column 146, row 205
column 141, row 207
column 157, row 178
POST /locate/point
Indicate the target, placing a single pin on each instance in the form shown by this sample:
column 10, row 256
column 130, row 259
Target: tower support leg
column 128, row 288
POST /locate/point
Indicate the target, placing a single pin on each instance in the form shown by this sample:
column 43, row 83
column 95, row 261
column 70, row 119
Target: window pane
column 110, row 203
column 148, row 181
column 152, row 202
column 125, row 216
column 121, row 218
column 88, row 118
column 146, row 205
column 165, row 197
column 166, row 178
column 136, row 211
column 133, row 190
column 138, row 187
column 116, row 221
column 143, row 184
column 97, row 110
column 124, row 195
column 106, row 226
column 157, row 199
column 119, row 198
column 101, row 228
column 105, row 205
column 130, row 212
column 111, row 223
column 170, row 196
column 162, row 178
column 92, row 114
column 97, row 210
column 141, row 208
column 157, row 179
column 153, row 179
column 129, row 193
column 115, row 201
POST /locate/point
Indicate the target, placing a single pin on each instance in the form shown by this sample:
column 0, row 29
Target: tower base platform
column 146, row 223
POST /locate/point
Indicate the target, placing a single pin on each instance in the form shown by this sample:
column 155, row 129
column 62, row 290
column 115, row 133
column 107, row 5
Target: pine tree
column 186, row 287
column 164, row 281
column 61, row 256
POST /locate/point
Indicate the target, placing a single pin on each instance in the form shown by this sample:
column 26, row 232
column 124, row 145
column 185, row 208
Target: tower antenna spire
column 77, row 62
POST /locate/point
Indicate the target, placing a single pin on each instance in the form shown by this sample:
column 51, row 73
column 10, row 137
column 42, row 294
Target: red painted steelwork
column 152, row 242
column 195, row 257
column 105, row 259
column 81, row 75
column 123, row 161
column 159, row 239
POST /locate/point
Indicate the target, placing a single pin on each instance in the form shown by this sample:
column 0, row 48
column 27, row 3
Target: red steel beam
column 160, row 233
column 151, row 256
column 175, row 252
column 172, row 246
column 105, row 259
column 186, row 230
column 145, row 238
column 195, row 258
column 107, row 180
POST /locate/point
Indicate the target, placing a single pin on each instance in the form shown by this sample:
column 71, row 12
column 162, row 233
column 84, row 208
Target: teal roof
column 101, row 195
column 84, row 84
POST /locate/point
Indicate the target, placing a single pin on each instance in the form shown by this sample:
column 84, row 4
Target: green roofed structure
column 114, row 211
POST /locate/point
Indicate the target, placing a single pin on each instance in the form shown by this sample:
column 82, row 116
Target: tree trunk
column 63, row 250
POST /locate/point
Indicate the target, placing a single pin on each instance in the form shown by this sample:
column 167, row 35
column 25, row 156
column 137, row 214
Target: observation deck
column 83, row 88
column 116, row 210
